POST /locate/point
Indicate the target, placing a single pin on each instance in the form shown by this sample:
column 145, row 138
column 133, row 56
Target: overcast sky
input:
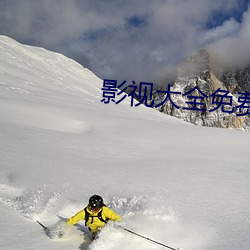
column 131, row 39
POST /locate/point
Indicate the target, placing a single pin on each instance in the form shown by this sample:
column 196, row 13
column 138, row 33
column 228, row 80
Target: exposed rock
column 195, row 72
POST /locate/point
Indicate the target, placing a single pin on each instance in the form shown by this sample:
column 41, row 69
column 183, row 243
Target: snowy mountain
column 182, row 185
column 236, row 79
column 200, row 71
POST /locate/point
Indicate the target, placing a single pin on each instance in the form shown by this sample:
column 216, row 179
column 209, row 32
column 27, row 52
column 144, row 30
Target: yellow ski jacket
column 94, row 223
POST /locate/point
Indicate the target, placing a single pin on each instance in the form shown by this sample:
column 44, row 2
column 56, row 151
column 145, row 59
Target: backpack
column 88, row 216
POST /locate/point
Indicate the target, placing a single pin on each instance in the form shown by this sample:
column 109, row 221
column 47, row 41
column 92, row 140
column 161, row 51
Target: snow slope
column 179, row 184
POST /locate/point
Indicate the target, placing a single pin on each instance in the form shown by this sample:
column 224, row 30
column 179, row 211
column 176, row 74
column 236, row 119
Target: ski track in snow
column 42, row 116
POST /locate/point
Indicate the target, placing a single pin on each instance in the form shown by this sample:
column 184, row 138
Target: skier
column 95, row 214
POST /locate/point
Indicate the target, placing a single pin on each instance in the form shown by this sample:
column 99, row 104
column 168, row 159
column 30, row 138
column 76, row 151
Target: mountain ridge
column 199, row 70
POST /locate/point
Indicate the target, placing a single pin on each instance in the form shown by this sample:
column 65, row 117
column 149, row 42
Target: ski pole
column 45, row 228
column 146, row 238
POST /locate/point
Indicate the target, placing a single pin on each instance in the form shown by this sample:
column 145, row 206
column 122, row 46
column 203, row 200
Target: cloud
column 124, row 40
column 233, row 49
column 228, row 28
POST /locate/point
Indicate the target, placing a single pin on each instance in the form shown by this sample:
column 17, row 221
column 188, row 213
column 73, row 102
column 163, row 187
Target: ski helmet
column 95, row 202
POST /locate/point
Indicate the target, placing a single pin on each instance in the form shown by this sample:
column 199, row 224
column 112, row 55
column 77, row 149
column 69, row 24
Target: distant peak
column 195, row 64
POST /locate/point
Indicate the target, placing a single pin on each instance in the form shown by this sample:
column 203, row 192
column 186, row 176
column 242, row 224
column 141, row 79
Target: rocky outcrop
column 197, row 74
column 236, row 79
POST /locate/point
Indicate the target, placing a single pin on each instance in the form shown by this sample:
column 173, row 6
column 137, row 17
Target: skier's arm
column 110, row 214
column 77, row 217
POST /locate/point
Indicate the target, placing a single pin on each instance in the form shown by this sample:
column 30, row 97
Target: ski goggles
column 94, row 208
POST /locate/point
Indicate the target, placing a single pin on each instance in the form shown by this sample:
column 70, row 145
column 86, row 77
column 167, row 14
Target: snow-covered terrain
column 179, row 184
